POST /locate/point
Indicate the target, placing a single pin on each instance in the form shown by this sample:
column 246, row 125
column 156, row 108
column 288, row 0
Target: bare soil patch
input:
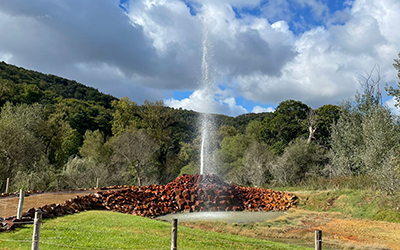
column 299, row 226
column 8, row 206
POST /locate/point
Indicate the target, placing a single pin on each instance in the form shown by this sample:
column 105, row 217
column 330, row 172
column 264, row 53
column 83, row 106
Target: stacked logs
column 190, row 193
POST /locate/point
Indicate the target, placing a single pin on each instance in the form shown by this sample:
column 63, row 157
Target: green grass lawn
column 109, row 230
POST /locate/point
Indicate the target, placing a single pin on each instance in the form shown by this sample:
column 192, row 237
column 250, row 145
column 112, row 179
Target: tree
column 327, row 115
column 125, row 116
column 381, row 138
column 135, row 150
column 59, row 138
column 189, row 158
column 395, row 91
column 84, row 115
column 227, row 130
column 347, row 145
column 253, row 130
column 84, row 172
column 299, row 159
column 283, row 126
column 257, row 161
column 94, row 146
column 20, row 138
column 366, row 134
column 156, row 119
column 230, row 157
column 370, row 96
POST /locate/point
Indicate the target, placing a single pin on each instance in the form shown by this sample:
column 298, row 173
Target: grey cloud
column 54, row 36
column 252, row 54
column 82, row 31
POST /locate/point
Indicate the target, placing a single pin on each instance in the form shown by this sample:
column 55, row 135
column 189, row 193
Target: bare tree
column 312, row 124
column 135, row 149
column 257, row 161
column 371, row 95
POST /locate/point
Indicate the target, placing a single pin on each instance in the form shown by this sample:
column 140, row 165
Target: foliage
column 395, row 91
column 230, row 157
column 327, row 115
column 136, row 151
column 125, row 117
column 347, row 144
column 299, row 160
column 94, row 146
column 284, row 125
column 84, row 115
column 227, row 130
column 60, row 139
column 365, row 139
column 83, row 173
column 257, row 164
column 28, row 86
column 41, row 176
column 242, row 121
column 254, row 129
column 20, row 132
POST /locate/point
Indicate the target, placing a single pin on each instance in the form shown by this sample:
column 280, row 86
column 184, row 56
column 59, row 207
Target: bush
column 83, row 173
column 299, row 160
column 41, row 177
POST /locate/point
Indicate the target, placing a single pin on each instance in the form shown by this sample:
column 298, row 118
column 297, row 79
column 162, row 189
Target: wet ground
column 9, row 206
column 228, row 217
column 298, row 227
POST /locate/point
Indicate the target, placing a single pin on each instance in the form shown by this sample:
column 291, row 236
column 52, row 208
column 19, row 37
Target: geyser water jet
column 206, row 88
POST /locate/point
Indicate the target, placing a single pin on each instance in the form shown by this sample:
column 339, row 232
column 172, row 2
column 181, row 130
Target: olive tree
column 298, row 160
column 20, row 141
column 257, row 161
column 136, row 150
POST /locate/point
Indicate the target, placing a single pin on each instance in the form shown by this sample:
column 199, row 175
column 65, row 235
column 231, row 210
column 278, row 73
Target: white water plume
column 207, row 161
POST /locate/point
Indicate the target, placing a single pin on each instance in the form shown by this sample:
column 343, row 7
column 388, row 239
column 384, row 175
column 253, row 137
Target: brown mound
column 191, row 193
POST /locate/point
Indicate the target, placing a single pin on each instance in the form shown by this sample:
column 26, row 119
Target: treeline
column 53, row 129
column 50, row 133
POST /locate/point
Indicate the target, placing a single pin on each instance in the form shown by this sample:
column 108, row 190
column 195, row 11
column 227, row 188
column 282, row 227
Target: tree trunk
column 311, row 134
column 138, row 175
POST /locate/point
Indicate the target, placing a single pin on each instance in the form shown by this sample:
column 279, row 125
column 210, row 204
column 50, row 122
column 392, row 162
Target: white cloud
column 391, row 103
column 329, row 59
column 155, row 46
column 5, row 56
column 216, row 101
column 259, row 109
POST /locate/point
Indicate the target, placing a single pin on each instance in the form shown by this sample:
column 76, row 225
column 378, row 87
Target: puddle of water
column 228, row 217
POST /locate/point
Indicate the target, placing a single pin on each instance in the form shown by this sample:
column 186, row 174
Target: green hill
column 19, row 85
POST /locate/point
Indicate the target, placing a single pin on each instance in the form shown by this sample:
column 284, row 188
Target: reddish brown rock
column 190, row 193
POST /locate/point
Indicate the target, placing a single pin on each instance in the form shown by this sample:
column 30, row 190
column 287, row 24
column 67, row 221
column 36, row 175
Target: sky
column 258, row 52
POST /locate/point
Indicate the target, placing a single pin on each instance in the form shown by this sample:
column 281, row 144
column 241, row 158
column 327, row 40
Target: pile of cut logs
column 190, row 193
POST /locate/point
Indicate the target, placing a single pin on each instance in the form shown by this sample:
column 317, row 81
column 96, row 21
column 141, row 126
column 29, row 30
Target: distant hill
column 88, row 108
column 20, row 85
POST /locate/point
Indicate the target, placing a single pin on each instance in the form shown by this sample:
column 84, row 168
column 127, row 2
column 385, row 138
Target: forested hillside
column 27, row 86
column 56, row 129
column 46, row 119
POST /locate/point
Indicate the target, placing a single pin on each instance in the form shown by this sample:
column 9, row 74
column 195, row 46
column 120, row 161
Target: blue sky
column 260, row 52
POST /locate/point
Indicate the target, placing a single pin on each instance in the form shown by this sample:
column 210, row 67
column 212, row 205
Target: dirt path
column 340, row 232
column 8, row 206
